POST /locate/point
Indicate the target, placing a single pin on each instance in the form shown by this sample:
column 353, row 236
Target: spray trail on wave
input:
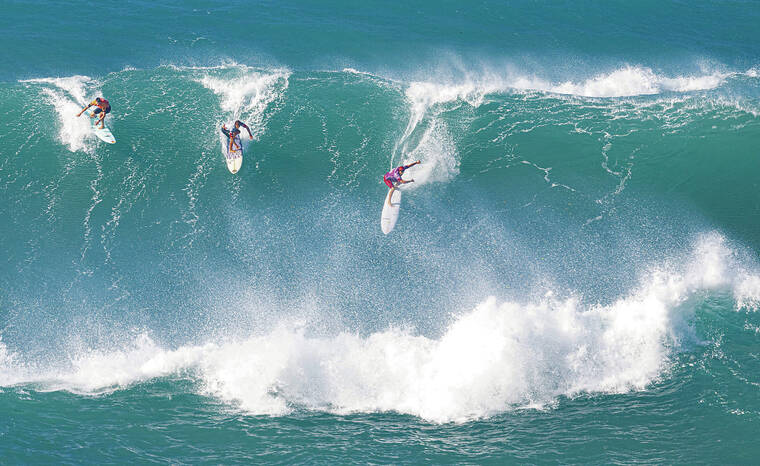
column 68, row 96
column 246, row 93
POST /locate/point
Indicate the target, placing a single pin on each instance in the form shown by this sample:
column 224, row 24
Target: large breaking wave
column 521, row 270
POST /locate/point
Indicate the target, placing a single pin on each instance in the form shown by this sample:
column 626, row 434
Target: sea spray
column 497, row 356
column 246, row 93
column 68, row 96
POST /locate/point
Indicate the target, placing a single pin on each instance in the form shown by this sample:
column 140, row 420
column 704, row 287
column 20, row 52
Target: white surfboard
column 234, row 158
column 104, row 133
column 390, row 212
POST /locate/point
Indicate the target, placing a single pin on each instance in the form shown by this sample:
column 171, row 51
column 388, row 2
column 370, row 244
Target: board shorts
column 388, row 181
column 98, row 110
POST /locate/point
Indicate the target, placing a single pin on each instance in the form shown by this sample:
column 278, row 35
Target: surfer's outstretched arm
column 250, row 135
column 88, row 106
column 225, row 131
column 411, row 165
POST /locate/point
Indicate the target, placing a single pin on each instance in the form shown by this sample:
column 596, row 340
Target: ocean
column 574, row 276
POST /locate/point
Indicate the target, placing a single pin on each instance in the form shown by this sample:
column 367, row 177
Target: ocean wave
column 496, row 357
column 435, row 146
column 68, row 95
column 246, row 90
column 624, row 81
column 633, row 81
column 437, row 150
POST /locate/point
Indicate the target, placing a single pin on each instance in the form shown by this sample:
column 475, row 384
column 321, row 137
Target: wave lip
column 246, row 91
column 636, row 80
column 625, row 81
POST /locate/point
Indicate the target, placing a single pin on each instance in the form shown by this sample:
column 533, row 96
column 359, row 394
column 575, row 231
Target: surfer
column 393, row 178
column 234, row 132
column 103, row 108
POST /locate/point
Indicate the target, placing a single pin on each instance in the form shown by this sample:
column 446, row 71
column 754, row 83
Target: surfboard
column 390, row 212
column 104, row 134
column 234, row 158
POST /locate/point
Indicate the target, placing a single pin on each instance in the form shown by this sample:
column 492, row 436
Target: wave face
column 577, row 257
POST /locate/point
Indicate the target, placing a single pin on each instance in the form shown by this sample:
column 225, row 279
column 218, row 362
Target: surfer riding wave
column 103, row 108
column 233, row 133
column 393, row 178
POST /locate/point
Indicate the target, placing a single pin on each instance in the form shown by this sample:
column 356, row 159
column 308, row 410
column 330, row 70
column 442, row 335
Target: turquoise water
column 574, row 276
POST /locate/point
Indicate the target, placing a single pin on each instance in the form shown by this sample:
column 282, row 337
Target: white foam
column 68, row 97
column 625, row 81
column 74, row 86
column 423, row 95
column 437, row 150
column 355, row 71
column 247, row 93
column 636, row 80
column 96, row 371
column 10, row 372
column 496, row 357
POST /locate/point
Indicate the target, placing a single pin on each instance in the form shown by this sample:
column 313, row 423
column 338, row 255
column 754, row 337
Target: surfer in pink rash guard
column 393, row 178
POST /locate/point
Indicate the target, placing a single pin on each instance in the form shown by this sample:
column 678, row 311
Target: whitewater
column 500, row 355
